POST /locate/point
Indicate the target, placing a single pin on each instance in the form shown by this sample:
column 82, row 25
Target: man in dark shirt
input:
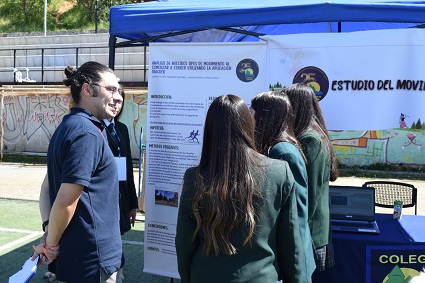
column 81, row 194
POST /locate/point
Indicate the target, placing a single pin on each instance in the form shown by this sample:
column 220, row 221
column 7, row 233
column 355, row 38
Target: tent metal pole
column 112, row 42
column 141, row 149
column 330, row 27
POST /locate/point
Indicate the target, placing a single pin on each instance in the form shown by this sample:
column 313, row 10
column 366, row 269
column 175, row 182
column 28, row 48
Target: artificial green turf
column 16, row 214
column 7, row 237
column 20, row 214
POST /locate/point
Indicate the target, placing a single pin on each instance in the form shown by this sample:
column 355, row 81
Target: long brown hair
column 225, row 182
column 308, row 116
column 274, row 121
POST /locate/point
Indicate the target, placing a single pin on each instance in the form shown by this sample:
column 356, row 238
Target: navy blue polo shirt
column 79, row 154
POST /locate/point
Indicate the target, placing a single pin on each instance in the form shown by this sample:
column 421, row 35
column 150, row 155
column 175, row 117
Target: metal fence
column 45, row 65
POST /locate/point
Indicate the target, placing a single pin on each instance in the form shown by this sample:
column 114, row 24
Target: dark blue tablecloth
column 394, row 254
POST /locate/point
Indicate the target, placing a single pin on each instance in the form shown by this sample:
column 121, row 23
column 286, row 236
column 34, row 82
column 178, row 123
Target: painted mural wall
column 28, row 123
column 392, row 146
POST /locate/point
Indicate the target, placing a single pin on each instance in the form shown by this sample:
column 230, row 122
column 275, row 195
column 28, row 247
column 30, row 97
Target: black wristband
column 45, row 223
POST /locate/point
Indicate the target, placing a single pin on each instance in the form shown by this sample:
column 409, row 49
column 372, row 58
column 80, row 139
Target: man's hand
column 47, row 255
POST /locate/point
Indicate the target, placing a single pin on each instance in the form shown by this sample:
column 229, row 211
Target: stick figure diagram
column 193, row 136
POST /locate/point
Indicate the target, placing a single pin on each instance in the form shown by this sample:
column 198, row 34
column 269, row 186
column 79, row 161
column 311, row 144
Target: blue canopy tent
column 236, row 20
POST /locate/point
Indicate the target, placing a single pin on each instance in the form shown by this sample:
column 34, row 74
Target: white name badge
column 122, row 168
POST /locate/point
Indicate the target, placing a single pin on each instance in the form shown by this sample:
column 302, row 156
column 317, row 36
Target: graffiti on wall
column 392, row 146
column 134, row 116
column 28, row 122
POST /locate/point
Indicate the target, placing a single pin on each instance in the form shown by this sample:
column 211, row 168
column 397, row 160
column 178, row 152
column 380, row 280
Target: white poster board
column 184, row 78
column 366, row 80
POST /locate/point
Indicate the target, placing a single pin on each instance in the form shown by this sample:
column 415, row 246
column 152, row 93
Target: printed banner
column 183, row 80
column 393, row 264
column 370, row 80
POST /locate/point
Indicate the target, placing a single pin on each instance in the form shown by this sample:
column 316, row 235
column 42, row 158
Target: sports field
column 20, row 228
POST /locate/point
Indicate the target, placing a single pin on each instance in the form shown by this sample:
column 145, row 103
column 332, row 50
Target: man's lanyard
column 116, row 138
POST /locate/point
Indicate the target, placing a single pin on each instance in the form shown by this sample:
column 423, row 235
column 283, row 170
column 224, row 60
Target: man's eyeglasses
column 111, row 89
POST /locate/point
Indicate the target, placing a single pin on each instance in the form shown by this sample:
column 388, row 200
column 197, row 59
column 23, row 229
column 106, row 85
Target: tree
column 276, row 86
column 28, row 15
column 24, row 12
column 418, row 124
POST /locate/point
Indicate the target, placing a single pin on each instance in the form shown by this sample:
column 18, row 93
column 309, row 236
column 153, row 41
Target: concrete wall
column 29, row 118
column 30, row 113
column 390, row 146
column 56, row 51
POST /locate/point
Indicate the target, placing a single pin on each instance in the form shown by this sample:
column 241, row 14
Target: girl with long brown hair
column 311, row 132
column 274, row 136
column 237, row 219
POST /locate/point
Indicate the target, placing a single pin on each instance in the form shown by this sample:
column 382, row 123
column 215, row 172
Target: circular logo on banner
column 315, row 78
column 247, row 70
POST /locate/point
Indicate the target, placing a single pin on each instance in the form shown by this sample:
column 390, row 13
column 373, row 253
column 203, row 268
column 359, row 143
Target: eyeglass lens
column 111, row 89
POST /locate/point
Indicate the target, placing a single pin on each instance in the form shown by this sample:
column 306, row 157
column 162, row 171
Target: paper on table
column 26, row 273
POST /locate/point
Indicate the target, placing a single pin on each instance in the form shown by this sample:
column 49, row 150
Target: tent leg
column 112, row 42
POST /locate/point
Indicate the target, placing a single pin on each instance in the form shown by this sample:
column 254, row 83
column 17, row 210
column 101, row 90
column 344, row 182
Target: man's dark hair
column 89, row 73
